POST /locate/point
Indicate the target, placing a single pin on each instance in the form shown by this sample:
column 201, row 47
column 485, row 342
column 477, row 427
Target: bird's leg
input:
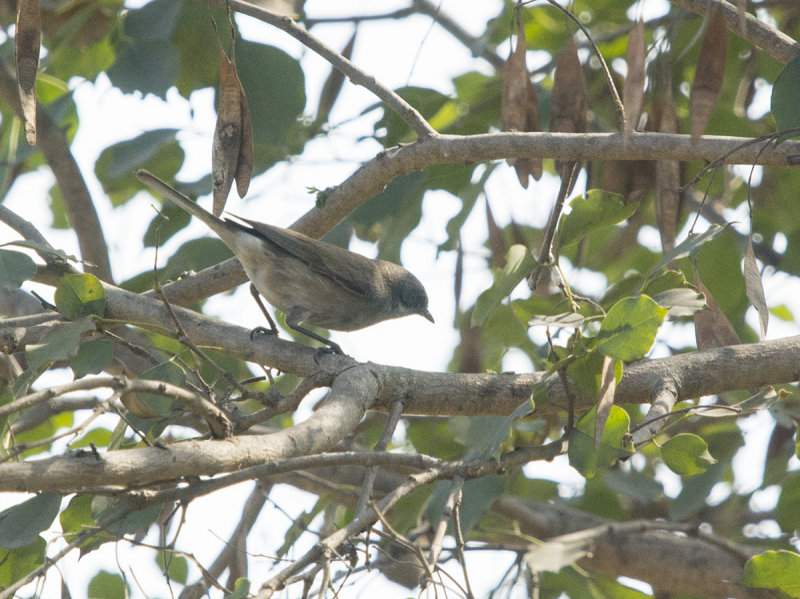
column 331, row 346
column 273, row 329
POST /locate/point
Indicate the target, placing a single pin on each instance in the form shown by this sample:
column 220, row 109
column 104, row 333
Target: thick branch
column 707, row 570
column 768, row 39
column 350, row 396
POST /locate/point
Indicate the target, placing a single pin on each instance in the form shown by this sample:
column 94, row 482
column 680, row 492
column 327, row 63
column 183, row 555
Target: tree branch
column 373, row 176
column 403, row 109
column 764, row 37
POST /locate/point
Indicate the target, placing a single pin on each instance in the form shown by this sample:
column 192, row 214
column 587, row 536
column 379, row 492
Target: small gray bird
column 310, row 281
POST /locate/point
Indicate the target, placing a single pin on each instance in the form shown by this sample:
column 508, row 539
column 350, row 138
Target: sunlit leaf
column 588, row 459
column 629, row 329
column 79, row 295
column 686, row 454
column 774, row 570
column 681, row 301
column 567, row 320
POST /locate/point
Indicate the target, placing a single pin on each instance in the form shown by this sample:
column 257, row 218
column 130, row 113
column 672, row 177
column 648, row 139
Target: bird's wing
column 350, row 270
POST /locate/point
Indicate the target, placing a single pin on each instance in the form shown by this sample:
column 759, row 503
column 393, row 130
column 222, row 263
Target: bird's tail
column 154, row 183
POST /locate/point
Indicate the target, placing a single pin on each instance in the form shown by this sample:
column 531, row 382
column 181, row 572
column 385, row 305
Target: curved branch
column 768, row 39
column 350, row 397
column 373, row 176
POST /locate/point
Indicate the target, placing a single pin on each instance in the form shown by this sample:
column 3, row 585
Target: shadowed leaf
column 754, row 288
column 711, row 327
column 519, row 106
column 709, row 74
column 27, row 40
column 232, row 155
column 633, row 90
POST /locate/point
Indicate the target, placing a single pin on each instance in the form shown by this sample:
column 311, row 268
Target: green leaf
column 175, row 566
column 241, row 589
column 15, row 268
column 629, row 329
column 21, row 524
column 680, row 302
column 60, row 343
column 483, row 435
column 582, row 453
column 77, row 515
column 107, row 585
column 598, row 209
column 478, row 494
column 93, row 357
column 689, row 246
column 787, row 514
column 567, row 320
column 17, row 563
column 169, row 373
column 774, row 570
column 686, row 454
column 693, row 495
column 146, row 60
column 274, row 85
column 157, row 151
column 80, row 295
column 785, row 92
column 519, row 264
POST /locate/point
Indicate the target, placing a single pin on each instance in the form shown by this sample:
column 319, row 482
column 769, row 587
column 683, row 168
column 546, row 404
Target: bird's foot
column 331, row 348
column 262, row 331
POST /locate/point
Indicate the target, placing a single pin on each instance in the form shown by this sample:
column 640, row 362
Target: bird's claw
column 333, row 348
column 262, row 331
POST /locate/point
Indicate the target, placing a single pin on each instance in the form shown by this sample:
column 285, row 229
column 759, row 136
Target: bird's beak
column 426, row 315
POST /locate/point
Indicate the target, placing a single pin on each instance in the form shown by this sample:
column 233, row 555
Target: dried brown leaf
column 711, row 327
column 568, row 102
column 27, row 43
column 605, row 400
column 519, row 106
column 754, row 288
column 232, row 154
column 709, row 74
column 496, row 241
column 515, row 86
column 668, row 177
column 633, row 90
column 333, row 84
column 568, row 99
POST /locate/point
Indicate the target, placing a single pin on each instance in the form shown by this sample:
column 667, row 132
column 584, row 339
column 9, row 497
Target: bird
column 312, row 282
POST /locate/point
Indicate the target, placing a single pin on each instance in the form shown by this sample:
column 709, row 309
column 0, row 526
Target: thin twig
column 359, row 77
column 395, row 414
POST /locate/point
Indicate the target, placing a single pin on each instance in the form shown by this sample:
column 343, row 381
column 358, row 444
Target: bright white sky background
column 398, row 53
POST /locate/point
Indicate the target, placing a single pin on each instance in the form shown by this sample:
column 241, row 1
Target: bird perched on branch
column 310, row 281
